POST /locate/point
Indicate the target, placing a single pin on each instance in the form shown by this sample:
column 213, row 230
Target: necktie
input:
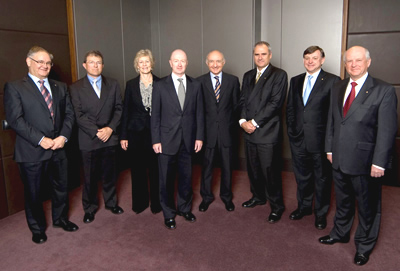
column 258, row 76
column 307, row 90
column 47, row 98
column 350, row 98
column 96, row 88
column 181, row 92
column 217, row 88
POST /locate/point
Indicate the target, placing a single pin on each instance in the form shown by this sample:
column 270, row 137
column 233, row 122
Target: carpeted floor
column 219, row 240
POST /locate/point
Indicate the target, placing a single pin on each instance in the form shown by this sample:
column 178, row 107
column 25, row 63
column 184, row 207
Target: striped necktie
column 217, row 88
column 47, row 98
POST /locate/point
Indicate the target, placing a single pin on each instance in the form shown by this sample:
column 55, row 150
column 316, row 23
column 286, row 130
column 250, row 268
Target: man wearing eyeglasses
column 97, row 103
column 40, row 111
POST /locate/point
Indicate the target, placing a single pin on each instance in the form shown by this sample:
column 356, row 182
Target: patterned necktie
column 258, row 76
column 350, row 98
column 96, row 88
column 307, row 90
column 47, row 98
column 217, row 88
column 181, row 92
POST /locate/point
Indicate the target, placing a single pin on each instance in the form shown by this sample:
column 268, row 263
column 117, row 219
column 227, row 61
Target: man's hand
column 377, row 172
column 124, row 144
column 47, row 143
column 59, row 143
column 157, row 148
column 198, row 144
column 104, row 133
column 329, row 157
column 248, row 127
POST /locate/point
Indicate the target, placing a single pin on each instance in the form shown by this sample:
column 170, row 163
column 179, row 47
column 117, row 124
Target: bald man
column 361, row 130
column 221, row 92
column 177, row 128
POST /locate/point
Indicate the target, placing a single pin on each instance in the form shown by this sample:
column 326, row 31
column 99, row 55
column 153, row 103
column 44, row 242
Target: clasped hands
column 104, row 133
column 54, row 144
column 248, row 127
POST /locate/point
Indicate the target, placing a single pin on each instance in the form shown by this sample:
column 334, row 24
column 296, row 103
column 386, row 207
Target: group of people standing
column 345, row 126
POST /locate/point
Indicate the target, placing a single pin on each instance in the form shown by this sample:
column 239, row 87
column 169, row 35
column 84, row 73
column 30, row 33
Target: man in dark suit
column 263, row 94
column 306, row 113
column 221, row 93
column 98, row 108
column 177, row 129
column 362, row 126
column 40, row 112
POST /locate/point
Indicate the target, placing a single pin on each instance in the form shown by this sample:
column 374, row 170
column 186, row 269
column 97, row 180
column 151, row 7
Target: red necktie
column 350, row 99
column 47, row 98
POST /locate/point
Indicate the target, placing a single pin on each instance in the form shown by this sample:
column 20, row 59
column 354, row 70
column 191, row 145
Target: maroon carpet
column 219, row 240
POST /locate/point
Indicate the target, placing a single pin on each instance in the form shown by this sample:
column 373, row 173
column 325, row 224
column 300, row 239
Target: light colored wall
column 292, row 25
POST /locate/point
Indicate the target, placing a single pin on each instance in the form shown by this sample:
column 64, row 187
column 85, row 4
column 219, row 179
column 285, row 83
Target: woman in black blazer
column 135, row 135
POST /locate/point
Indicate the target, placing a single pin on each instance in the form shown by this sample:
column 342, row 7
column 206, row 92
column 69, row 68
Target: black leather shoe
column 203, row 206
column 327, row 240
column 299, row 214
column 274, row 217
column 188, row 216
column 361, row 259
column 88, row 218
column 170, row 223
column 251, row 203
column 229, row 206
column 115, row 210
column 320, row 222
column 66, row 225
column 39, row 238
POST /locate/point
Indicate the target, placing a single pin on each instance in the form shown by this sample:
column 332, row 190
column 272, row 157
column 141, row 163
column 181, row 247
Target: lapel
column 342, row 91
column 210, row 87
column 170, row 89
column 223, row 87
column 105, row 91
column 137, row 95
column 318, row 83
column 364, row 92
column 189, row 92
column 299, row 83
column 55, row 91
column 261, row 82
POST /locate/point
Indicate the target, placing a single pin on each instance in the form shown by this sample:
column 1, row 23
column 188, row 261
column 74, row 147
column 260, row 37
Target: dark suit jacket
column 263, row 103
column 366, row 135
column 27, row 113
column 221, row 117
column 170, row 125
column 93, row 113
column 135, row 117
column 308, row 123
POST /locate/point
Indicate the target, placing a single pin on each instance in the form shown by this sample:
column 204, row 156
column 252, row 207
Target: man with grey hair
column 40, row 112
column 221, row 93
column 362, row 126
column 262, row 97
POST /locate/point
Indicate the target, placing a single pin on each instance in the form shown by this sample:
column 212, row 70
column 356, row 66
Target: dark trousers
column 225, row 155
column 313, row 172
column 144, row 169
column 368, row 193
column 98, row 165
column 264, row 169
column 169, row 165
column 33, row 176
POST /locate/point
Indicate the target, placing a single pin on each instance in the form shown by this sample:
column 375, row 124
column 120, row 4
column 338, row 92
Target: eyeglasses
column 41, row 62
column 95, row 62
